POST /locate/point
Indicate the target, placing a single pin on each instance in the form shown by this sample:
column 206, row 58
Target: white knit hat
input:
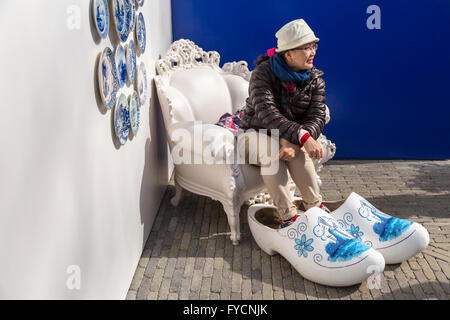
column 293, row 35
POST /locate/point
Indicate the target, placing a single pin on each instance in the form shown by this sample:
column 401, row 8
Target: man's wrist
column 303, row 136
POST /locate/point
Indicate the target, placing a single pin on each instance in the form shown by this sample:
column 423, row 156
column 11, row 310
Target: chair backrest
column 192, row 87
column 205, row 90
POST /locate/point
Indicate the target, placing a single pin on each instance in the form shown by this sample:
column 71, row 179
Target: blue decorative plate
column 131, row 61
column 141, row 35
column 101, row 17
column 140, row 2
column 133, row 15
column 121, row 65
column 122, row 119
column 107, row 78
column 135, row 112
column 122, row 18
column 142, row 83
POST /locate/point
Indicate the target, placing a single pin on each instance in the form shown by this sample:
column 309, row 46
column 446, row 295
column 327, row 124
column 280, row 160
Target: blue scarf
column 284, row 72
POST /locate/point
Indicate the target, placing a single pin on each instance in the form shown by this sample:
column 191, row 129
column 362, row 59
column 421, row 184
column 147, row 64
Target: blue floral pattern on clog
column 355, row 232
column 303, row 246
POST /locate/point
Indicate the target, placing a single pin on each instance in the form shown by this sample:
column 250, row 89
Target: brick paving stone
column 267, row 291
column 247, row 289
column 376, row 294
column 176, row 279
column 216, row 296
column 445, row 268
column 164, row 289
column 288, row 286
column 256, row 281
column 143, row 289
column 440, row 294
column 185, row 289
column 188, row 254
column 156, row 280
column 278, row 295
column 196, row 281
column 152, row 296
column 236, row 282
column 172, row 296
column 443, row 281
column 310, row 289
column 137, row 279
column 403, row 282
column 407, row 272
column 426, row 269
column 277, row 278
column 321, row 292
column 194, row 295
column 355, row 295
column 206, row 288
column 417, row 289
column 427, row 289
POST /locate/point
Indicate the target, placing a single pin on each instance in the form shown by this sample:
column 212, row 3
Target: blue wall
column 387, row 90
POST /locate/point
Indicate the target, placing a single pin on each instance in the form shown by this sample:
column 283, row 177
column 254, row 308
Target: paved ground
column 189, row 255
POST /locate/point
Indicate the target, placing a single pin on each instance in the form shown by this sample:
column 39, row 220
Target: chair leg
column 232, row 212
column 178, row 195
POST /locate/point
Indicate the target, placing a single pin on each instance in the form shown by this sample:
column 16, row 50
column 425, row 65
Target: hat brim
column 297, row 43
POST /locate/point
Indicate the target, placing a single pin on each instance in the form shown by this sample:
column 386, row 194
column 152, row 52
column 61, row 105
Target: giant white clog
column 396, row 239
column 317, row 247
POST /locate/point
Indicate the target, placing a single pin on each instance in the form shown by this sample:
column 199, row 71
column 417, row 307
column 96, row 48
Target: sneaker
column 324, row 208
column 288, row 222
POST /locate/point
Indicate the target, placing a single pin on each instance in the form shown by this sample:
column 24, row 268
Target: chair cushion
column 238, row 88
column 206, row 91
column 181, row 109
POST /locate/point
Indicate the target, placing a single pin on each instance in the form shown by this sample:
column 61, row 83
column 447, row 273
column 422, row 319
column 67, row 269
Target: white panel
column 69, row 195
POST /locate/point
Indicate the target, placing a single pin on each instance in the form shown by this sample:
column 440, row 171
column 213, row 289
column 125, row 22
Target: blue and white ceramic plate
column 122, row 119
column 131, row 61
column 140, row 2
column 101, row 17
column 141, row 35
column 107, row 78
column 122, row 18
column 133, row 15
column 135, row 112
column 142, row 83
column 121, row 65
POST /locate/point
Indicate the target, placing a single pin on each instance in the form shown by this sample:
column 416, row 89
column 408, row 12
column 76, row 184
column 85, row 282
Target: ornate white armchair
column 194, row 92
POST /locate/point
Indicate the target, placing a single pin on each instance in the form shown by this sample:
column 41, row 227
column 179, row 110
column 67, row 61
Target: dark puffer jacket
column 271, row 106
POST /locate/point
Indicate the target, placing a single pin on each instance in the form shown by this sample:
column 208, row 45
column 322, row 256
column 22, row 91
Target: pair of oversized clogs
column 340, row 248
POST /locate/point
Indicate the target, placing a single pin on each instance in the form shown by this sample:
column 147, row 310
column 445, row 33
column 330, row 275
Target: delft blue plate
column 133, row 15
column 121, row 65
column 131, row 61
column 122, row 18
column 122, row 119
column 101, row 17
column 135, row 112
column 140, row 2
column 141, row 35
column 107, row 78
column 142, row 83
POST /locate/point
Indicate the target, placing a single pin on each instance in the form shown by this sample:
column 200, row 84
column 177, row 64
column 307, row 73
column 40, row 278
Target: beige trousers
column 256, row 147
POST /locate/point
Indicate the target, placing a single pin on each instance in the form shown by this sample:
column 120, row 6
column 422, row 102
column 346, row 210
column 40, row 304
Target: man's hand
column 313, row 148
column 287, row 150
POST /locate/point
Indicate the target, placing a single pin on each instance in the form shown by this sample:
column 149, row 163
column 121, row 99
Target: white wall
column 69, row 194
